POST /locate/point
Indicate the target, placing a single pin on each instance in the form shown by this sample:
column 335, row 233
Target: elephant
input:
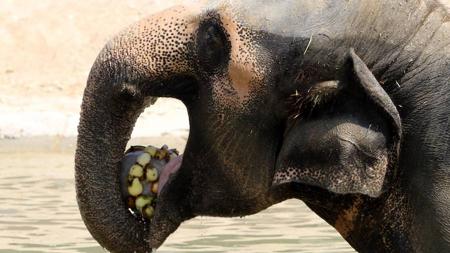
column 343, row 104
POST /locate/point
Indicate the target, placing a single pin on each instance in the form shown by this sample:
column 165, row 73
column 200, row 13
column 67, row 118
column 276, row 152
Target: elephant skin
column 343, row 104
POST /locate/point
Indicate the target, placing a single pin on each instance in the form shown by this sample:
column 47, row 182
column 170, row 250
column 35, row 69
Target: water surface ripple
column 38, row 213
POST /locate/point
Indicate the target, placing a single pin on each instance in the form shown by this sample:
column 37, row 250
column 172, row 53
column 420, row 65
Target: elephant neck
column 422, row 97
column 412, row 66
column 368, row 224
column 391, row 55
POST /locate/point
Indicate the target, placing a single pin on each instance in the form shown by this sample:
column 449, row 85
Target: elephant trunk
column 105, row 127
column 136, row 66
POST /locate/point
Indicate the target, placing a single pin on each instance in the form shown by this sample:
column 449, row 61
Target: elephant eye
column 213, row 46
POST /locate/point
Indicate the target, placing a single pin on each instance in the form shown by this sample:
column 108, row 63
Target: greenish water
column 38, row 213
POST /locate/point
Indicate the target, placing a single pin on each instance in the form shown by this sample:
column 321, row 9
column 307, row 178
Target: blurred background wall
column 47, row 48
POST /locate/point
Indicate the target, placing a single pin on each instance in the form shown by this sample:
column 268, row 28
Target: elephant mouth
column 146, row 177
column 170, row 169
column 144, row 173
column 171, row 208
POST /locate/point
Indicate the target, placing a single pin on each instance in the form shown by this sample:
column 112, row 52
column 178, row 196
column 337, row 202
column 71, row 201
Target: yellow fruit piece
column 149, row 211
column 143, row 159
column 155, row 187
column 136, row 171
column 142, row 201
column 150, row 150
column 161, row 154
column 135, row 188
column 152, row 174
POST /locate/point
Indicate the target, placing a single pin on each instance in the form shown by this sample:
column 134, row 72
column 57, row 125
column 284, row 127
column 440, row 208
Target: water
column 38, row 213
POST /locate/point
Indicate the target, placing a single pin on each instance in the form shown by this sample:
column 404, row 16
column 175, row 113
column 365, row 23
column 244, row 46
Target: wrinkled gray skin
column 280, row 106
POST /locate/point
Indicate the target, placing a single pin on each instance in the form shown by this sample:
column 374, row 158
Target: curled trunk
column 129, row 72
column 105, row 127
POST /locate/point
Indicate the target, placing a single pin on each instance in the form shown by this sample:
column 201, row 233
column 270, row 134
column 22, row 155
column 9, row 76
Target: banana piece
column 144, row 159
column 152, row 174
column 150, row 150
column 155, row 187
column 136, row 171
column 161, row 154
column 148, row 212
column 135, row 188
column 142, row 201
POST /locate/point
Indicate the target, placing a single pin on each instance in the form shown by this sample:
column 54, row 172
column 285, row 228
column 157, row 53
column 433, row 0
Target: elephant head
column 206, row 61
column 279, row 107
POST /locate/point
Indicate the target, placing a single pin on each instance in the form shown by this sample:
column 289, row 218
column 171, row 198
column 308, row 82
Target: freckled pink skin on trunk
column 170, row 168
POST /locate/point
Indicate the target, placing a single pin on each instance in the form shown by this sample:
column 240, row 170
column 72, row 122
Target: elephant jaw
column 170, row 217
column 170, row 211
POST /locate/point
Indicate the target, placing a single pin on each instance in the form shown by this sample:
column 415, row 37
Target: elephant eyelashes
column 305, row 102
column 213, row 46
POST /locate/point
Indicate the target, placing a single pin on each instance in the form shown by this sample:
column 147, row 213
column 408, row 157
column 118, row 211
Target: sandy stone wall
column 47, row 48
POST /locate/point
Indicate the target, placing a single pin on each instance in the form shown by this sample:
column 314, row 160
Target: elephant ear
column 349, row 140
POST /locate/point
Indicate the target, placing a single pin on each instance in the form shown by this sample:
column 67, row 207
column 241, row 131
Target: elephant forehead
column 164, row 37
column 288, row 18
